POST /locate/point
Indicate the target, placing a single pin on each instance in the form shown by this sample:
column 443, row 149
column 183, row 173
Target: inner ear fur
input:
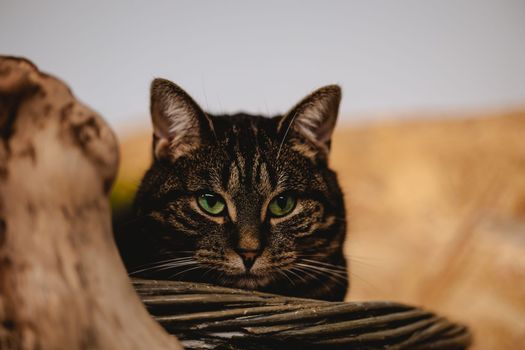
column 179, row 124
column 314, row 117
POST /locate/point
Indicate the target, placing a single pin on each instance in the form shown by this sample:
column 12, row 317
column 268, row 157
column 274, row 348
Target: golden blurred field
column 436, row 212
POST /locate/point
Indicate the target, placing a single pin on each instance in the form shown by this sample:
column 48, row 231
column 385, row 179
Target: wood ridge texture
column 207, row 316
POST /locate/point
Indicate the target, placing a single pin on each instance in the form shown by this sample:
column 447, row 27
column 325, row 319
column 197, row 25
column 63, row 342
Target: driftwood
column 62, row 284
column 212, row 317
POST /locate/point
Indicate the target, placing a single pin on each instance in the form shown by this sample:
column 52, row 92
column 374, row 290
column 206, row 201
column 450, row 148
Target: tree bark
column 62, row 284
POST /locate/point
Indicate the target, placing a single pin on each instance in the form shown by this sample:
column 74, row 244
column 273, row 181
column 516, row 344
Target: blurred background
column 430, row 147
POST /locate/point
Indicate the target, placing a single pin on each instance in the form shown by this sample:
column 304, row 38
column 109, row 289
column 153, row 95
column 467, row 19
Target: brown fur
column 247, row 161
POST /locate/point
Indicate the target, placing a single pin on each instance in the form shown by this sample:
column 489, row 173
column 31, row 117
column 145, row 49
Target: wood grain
column 62, row 284
column 211, row 317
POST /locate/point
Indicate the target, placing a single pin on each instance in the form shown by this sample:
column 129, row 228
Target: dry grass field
column 436, row 216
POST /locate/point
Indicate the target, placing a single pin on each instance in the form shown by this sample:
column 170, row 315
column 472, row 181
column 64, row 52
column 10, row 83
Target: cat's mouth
column 249, row 280
column 253, row 279
column 232, row 271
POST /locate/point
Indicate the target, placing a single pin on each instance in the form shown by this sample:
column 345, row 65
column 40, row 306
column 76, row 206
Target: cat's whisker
column 371, row 261
column 331, row 277
column 297, row 275
column 338, row 279
column 157, row 263
column 353, row 275
column 325, row 269
column 369, row 284
column 335, row 267
column 207, row 271
column 166, row 260
column 185, row 271
column 364, row 261
column 363, row 264
column 283, row 273
column 342, row 274
column 172, row 266
column 285, row 134
column 168, row 266
column 324, row 264
column 164, row 266
column 305, row 272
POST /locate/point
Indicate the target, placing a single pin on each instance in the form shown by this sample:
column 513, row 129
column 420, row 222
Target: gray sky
column 261, row 57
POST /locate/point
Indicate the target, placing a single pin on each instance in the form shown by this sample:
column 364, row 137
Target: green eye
column 211, row 203
column 282, row 205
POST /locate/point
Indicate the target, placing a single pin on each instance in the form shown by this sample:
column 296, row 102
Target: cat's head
column 246, row 201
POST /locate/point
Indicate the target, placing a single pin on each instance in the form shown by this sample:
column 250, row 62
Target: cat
column 242, row 201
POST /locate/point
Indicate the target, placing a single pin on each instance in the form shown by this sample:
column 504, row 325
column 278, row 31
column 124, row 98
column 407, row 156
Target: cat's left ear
column 314, row 117
column 179, row 124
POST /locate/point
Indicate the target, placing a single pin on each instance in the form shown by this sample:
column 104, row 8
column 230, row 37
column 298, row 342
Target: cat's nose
column 248, row 257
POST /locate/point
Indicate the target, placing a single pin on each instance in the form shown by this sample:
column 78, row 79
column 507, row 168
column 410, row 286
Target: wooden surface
column 436, row 215
column 62, row 284
column 212, row 317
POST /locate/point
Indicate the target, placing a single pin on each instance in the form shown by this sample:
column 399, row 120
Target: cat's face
column 243, row 201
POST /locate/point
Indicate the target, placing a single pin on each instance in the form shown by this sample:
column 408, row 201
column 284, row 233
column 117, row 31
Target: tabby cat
column 241, row 200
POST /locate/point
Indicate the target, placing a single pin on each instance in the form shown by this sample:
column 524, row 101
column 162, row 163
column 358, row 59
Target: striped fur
column 248, row 160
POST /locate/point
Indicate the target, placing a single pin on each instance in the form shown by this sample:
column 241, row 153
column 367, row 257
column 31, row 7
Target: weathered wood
column 206, row 316
column 62, row 284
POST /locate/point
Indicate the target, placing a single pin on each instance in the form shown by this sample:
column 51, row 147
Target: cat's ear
column 179, row 124
column 314, row 117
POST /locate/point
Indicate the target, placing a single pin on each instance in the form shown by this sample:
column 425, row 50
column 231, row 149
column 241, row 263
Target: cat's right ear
column 179, row 124
column 314, row 118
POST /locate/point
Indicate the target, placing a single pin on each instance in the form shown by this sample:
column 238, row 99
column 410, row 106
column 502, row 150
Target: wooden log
column 62, row 284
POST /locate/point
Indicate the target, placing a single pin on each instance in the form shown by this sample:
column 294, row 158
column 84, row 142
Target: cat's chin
column 248, row 281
